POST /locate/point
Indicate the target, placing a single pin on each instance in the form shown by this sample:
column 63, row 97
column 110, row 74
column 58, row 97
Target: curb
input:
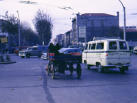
column 8, row 62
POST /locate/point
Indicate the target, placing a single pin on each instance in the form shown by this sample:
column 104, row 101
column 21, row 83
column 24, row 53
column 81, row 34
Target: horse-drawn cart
column 62, row 62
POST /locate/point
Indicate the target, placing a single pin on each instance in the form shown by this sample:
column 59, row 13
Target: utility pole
column 124, row 11
column 18, row 28
column 43, row 43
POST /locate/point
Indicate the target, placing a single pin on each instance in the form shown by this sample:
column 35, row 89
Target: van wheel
column 100, row 69
column 28, row 56
column 88, row 67
column 22, row 56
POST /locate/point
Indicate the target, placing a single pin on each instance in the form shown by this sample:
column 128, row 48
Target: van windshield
column 123, row 45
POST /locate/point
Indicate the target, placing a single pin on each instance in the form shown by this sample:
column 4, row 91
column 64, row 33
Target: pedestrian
column 51, row 48
column 57, row 47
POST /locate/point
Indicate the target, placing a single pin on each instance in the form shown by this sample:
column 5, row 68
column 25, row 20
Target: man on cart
column 59, row 62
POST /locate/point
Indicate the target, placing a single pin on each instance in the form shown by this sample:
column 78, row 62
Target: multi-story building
column 65, row 39
column 131, row 35
column 60, row 39
column 89, row 25
column 68, row 38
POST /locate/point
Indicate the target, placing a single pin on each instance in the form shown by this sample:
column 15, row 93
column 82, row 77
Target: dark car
column 32, row 51
column 72, row 51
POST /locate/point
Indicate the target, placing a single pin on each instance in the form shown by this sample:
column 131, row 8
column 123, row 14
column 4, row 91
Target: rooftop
column 96, row 14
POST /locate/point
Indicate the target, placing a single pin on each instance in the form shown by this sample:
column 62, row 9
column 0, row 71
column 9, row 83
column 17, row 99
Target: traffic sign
column 4, row 40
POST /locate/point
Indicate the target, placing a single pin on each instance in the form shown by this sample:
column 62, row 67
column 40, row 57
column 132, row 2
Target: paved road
column 22, row 82
column 94, row 87
column 27, row 82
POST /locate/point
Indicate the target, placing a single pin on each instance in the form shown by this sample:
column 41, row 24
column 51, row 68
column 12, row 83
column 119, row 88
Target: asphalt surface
column 22, row 82
column 26, row 81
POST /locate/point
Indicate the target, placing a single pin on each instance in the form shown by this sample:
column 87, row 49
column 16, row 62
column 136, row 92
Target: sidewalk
column 6, row 59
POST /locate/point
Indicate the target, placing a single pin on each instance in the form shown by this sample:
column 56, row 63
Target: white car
column 107, row 53
column 44, row 56
column 135, row 50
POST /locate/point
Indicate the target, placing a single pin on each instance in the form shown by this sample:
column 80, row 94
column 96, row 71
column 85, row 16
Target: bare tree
column 43, row 25
column 10, row 25
column 29, row 37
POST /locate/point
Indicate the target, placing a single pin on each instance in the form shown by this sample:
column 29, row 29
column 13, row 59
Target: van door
column 100, row 52
column 113, row 53
column 88, row 54
column 124, row 52
column 91, row 54
column 84, row 54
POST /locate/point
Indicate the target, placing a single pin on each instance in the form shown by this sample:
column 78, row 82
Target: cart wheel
column 78, row 71
column 71, row 69
column 62, row 67
column 49, row 68
column 52, row 71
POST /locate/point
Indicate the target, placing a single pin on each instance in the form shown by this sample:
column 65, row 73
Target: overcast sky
column 61, row 17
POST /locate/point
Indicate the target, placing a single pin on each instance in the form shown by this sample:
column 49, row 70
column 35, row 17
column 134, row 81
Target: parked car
column 17, row 49
column 107, row 53
column 44, row 54
column 135, row 50
column 32, row 51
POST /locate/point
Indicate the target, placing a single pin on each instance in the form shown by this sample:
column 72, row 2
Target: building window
column 92, row 23
column 102, row 23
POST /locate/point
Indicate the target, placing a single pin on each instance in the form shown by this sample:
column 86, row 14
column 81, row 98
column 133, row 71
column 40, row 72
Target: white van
column 107, row 53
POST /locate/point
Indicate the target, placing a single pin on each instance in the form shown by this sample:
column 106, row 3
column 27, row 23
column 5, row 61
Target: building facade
column 60, row 39
column 89, row 25
column 68, row 38
column 131, row 35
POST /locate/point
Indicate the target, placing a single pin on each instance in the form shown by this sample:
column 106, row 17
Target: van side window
column 122, row 45
column 113, row 45
column 100, row 46
column 92, row 47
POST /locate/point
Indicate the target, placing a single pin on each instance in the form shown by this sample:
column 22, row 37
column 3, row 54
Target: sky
column 62, row 17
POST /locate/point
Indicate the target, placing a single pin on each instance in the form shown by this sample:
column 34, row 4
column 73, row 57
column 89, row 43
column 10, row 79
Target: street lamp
column 124, row 10
column 18, row 27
